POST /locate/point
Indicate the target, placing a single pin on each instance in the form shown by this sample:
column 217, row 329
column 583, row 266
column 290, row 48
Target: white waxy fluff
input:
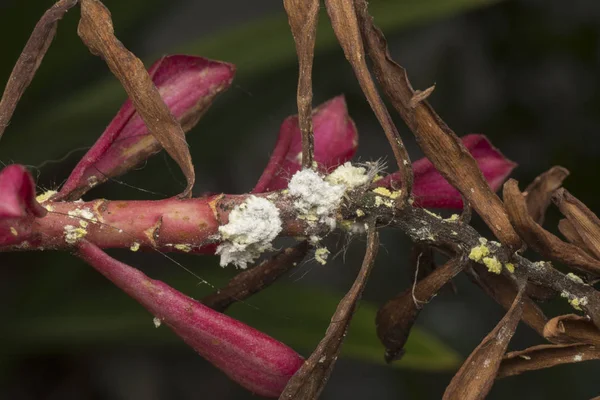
column 316, row 199
column 252, row 227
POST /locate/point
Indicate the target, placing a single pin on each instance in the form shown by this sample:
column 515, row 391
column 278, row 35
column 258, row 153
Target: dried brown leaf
column 572, row 328
column 96, row 30
column 540, row 240
column 585, row 222
column 30, row 60
column 439, row 143
column 396, row 318
column 345, row 25
column 539, row 193
column 303, row 16
column 503, row 291
column 570, row 233
column 257, row 278
column 476, row 376
column 308, row 382
column 546, row 356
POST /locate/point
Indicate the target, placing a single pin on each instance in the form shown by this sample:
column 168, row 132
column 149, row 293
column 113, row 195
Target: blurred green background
column 523, row 72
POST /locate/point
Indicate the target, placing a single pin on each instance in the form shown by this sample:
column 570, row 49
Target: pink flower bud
column 18, row 205
column 256, row 361
column 431, row 190
column 188, row 86
column 336, row 140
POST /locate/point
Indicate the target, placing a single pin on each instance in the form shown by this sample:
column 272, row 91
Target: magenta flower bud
column 188, row 86
column 336, row 140
column 18, row 206
column 431, row 190
column 256, row 361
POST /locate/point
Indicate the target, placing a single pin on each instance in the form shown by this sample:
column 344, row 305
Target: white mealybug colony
column 252, row 227
column 254, row 224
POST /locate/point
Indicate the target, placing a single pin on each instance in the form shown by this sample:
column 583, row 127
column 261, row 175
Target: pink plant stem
column 189, row 225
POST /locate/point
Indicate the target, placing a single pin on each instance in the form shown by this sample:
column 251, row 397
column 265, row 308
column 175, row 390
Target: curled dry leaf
column 187, row 85
column 311, row 378
column 539, row 193
column 303, row 16
column 572, row 328
column 396, row 318
column 344, row 20
column 431, row 190
column 546, row 356
column 97, row 32
column 585, row 222
column 30, row 60
column 539, row 239
column 256, row 361
column 257, row 278
column 504, row 291
column 439, row 143
column 475, row 378
column 570, row 233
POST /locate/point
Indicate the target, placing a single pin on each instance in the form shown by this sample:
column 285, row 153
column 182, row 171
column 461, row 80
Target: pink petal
column 256, row 361
column 187, row 84
column 336, row 140
column 17, row 194
column 431, row 190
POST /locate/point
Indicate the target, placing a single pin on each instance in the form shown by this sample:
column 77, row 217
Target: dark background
column 524, row 72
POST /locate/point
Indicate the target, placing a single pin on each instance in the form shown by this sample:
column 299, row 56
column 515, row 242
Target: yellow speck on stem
column 383, row 191
column 478, row 252
column 14, row 231
column 183, row 247
column 135, row 246
column 493, row 265
column 510, row 267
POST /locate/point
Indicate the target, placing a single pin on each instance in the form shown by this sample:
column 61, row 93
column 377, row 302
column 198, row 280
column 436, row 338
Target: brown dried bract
column 308, row 382
column 439, row 143
column 30, row 60
column 478, row 373
column 303, row 17
column 503, row 290
column 546, row 356
column 345, row 24
column 396, row 318
column 539, row 193
column 96, row 30
column 570, row 233
column 572, row 328
column 539, row 239
column 257, row 278
column 585, row 222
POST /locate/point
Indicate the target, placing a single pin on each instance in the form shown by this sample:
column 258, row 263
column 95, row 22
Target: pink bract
column 188, row 86
column 431, row 190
